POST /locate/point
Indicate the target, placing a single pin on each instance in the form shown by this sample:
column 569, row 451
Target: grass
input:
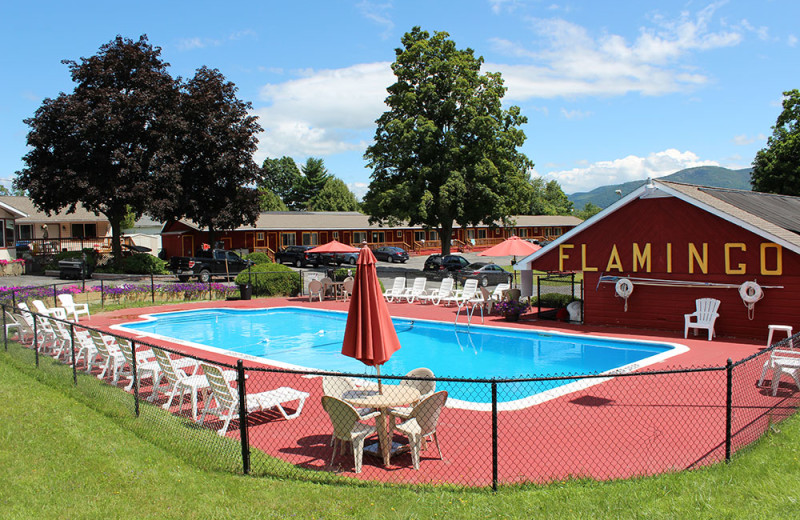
column 77, row 452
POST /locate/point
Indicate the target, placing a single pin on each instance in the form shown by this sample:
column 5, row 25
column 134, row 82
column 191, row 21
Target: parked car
column 445, row 263
column 391, row 254
column 298, row 256
column 346, row 258
column 485, row 273
column 207, row 264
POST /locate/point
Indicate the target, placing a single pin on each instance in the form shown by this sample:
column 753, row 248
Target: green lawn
column 64, row 456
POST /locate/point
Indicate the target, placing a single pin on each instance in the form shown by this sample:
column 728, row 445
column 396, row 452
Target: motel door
column 272, row 241
column 187, row 245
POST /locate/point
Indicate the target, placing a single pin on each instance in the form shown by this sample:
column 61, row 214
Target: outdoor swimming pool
column 312, row 339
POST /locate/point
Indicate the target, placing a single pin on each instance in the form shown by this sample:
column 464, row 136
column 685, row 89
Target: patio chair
column 45, row 336
column 226, row 399
column 497, row 295
column 463, row 295
column 327, row 286
column 347, row 288
column 54, row 312
column 703, row 318
column 574, row 310
column 782, row 362
column 422, row 423
column 177, row 379
column 73, row 309
column 445, row 290
column 315, row 290
column 108, row 349
column 146, row 365
column 397, row 290
column 417, row 290
column 336, row 386
column 425, row 388
column 17, row 322
column 347, row 427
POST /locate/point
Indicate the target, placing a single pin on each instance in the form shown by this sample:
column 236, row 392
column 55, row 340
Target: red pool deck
column 620, row 428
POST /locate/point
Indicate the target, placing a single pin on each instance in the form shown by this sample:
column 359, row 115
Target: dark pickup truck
column 216, row 262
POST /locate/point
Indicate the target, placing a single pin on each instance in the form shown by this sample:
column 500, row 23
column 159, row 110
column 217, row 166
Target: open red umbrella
column 334, row 246
column 369, row 334
column 512, row 246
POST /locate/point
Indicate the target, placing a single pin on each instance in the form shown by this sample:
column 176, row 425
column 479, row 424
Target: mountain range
column 713, row 176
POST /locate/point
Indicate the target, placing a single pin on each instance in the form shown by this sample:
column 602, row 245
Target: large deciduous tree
column 211, row 155
column 547, row 198
column 99, row 145
column 776, row 168
column 446, row 151
column 279, row 176
column 334, row 196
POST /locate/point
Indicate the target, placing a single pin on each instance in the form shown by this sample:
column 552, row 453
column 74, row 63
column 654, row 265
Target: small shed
column 677, row 243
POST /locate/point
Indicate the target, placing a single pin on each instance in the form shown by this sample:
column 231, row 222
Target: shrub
column 554, row 300
column 143, row 263
column 272, row 280
column 258, row 258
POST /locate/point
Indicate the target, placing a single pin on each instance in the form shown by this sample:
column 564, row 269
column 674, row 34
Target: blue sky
column 613, row 90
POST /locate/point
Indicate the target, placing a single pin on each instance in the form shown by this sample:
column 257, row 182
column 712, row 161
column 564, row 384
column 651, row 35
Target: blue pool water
column 313, row 339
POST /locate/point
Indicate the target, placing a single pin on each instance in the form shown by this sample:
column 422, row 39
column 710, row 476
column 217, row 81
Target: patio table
column 393, row 395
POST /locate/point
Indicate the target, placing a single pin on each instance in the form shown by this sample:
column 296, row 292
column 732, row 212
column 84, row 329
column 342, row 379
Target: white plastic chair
column 422, row 423
column 417, row 290
column 108, row 349
column 397, row 290
column 462, row 296
column 425, row 387
column 445, row 290
column 348, row 428
column 703, row 318
column 315, row 290
column 53, row 312
column 782, row 362
column 498, row 294
column 177, row 380
column 73, row 309
column 146, row 365
column 226, row 399
column 574, row 310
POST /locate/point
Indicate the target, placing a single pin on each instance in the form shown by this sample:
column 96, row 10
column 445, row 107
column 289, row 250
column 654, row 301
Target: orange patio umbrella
column 334, row 246
column 369, row 334
column 512, row 246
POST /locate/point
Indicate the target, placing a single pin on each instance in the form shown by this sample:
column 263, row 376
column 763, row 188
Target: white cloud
column 324, row 112
column 792, row 40
column 378, row 13
column 627, row 169
column 574, row 114
column 744, row 140
column 569, row 61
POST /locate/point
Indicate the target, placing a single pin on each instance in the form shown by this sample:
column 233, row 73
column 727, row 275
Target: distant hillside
column 713, row 176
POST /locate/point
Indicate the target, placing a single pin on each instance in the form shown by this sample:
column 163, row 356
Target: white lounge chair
column 417, row 290
column 53, row 312
column 422, row 423
column 465, row 294
column 177, row 379
column 397, row 290
column 108, row 349
column 703, row 318
column 445, row 290
column 498, row 295
column 348, row 428
column 73, row 309
column 782, row 362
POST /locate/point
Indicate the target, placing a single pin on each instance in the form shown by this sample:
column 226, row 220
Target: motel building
column 647, row 258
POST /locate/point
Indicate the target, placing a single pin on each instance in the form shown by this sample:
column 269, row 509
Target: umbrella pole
column 380, row 387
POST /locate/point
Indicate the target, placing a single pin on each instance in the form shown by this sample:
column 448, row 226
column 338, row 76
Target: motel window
column 481, row 233
column 25, row 231
column 522, row 232
column 359, row 236
column 288, row 239
column 84, row 230
column 336, row 235
column 433, row 235
column 419, row 236
column 310, row 239
column 260, row 236
column 7, row 237
column 378, row 237
column 556, row 231
column 470, row 233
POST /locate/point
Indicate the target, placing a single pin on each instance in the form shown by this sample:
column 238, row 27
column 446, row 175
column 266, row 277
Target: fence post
column 5, row 328
column 135, row 378
column 538, row 295
column 152, row 287
column 13, row 299
column 494, row 436
column 72, row 352
column 35, row 339
column 102, row 294
column 728, row 409
column 55, row 295
column 243, row 432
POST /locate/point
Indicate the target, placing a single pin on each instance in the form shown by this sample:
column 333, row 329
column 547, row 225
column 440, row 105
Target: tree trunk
column 116, row 238
column 445, row 234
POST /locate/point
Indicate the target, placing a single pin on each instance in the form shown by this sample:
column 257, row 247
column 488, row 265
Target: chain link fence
column 244, row 417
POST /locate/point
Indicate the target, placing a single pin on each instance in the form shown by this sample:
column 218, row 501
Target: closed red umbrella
column 369, row 334
column 334, row 246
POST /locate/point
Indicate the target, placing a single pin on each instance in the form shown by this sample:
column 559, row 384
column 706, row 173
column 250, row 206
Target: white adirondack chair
column 703, row 318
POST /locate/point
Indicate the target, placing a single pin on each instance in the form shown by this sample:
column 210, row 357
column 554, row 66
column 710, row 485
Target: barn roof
column 776, row 217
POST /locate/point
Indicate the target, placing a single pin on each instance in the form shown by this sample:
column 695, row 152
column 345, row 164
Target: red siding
column 660, row 221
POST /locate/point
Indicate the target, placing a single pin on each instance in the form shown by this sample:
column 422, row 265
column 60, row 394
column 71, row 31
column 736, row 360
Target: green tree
column 279, row 176
column 547, row 198
column 334, row 196
column 776, row 168
column 98, row 145
column 589, row 210
column 212, row 157
column 445, row 151
column 270, row 201
column 309, row 184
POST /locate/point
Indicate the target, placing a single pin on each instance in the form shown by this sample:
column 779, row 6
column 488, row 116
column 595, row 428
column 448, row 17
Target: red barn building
column 677, row 243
